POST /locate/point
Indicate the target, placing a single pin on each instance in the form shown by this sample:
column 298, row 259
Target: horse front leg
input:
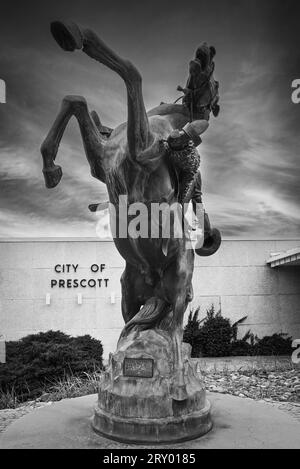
column 93, row 143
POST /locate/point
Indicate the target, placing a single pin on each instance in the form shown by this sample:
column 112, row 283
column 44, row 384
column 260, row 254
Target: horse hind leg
column 72, row 106
column 179, row 387
column 177, row 287
column 69, row 36
column 130, row 302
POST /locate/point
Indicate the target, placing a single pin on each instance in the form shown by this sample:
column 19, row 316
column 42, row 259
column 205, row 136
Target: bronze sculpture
column 151, row 158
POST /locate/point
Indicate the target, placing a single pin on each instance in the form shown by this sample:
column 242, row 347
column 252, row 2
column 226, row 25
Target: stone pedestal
column 137, row 401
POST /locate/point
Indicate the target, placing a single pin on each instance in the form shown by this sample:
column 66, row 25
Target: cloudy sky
column 250, row 154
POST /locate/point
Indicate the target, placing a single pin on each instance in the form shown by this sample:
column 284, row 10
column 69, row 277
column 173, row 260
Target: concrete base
column 142, row 399
column 153, row 431
column 238, row 423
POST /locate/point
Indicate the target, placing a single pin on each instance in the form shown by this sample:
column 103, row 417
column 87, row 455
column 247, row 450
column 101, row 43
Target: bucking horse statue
column 152, row 158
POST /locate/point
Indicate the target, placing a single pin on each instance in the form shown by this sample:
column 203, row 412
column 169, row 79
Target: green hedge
column 215, row 336
column 38, row 360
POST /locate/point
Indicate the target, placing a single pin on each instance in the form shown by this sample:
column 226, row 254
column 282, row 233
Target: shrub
column 215, row 336
column 241, row 348
column 277, row 344
column 191, row 332
column 36, row 361
column 211, row 337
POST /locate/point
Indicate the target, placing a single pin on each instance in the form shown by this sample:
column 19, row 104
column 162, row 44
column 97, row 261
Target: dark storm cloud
column 250, row 154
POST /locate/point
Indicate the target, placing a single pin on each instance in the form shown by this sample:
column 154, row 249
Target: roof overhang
column 286, row 258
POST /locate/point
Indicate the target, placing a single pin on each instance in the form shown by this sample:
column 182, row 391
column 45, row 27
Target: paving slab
column 238, row 423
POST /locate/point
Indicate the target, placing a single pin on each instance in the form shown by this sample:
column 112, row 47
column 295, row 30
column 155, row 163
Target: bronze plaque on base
column 138, row 367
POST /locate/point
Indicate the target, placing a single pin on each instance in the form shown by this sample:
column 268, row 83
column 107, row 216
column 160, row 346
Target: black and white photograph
column 149, row 227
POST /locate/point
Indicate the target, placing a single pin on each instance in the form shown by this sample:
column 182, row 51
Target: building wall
column 236, row 279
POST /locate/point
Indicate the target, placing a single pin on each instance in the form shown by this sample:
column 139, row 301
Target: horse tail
column 148, row 317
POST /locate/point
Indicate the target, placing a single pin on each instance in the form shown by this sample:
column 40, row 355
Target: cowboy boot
column 212, row 239
column 99, row 207
column 180, row 139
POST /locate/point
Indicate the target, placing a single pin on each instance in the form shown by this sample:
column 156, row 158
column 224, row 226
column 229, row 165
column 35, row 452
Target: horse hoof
column 67, row 35
column 52, row 176
column 211, row 244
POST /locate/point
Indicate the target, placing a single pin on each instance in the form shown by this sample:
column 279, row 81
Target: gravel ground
column 280, row 386
column 292, row 408
column 277, row 388
column 7, row 416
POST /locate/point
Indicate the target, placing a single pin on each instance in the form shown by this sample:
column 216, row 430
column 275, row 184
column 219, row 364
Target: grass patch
column 8, row 399
column 62, row 388
column 73, row 386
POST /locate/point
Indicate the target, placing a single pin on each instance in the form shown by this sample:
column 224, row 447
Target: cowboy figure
column 201, row 97
column 201, row 94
